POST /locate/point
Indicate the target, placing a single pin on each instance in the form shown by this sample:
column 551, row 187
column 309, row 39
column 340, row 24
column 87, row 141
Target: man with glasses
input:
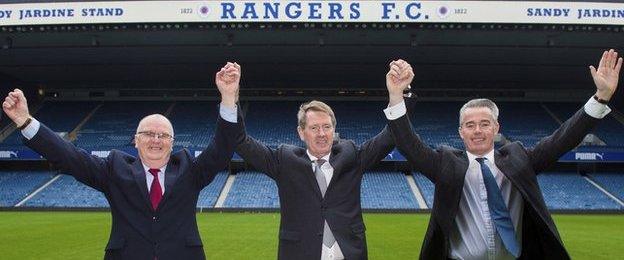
column 319, row 185
column 152, row 198
column 487, row 203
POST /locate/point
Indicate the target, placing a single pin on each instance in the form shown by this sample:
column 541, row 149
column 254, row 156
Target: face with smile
column 317, row 133
column 154, row 140
column 478, row 129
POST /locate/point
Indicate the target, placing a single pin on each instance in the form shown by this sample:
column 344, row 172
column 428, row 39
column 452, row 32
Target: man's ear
column 460, row 132
column 300, row 132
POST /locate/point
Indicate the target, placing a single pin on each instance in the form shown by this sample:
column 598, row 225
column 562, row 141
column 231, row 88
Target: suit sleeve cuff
column 396, row 111
column 31, row 129
column 229, row 114
column 596, row 109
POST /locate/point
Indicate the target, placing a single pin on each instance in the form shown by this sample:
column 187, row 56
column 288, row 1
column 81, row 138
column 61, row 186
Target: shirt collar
column 314, row 158
column 489, row 156
column 146, row 169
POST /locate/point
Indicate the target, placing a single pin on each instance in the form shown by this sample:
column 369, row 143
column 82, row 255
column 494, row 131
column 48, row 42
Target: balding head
column 155, row 118
column 154, row 140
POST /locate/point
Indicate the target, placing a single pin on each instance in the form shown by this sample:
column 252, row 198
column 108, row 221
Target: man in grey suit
column 319, row 185
column 487, row 202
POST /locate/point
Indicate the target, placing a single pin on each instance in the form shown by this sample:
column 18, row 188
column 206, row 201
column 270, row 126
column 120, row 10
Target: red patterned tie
column 155, row 190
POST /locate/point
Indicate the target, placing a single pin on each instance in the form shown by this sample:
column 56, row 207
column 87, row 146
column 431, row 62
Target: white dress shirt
column 474, row 235
column 149, row 178
column 333, row 252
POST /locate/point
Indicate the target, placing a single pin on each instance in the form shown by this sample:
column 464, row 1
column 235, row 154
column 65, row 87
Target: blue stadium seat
column 613, row 182
column 426, row 187
column 115, row 123
column 58, row 116
column 525, row 122
column 436, row 123
column 386, row 190
column 273, row 123
column 68, row 192
column 194, row 124
column 359, row 121
column 570, row 191
column 252, row 190
column 608, row 130
column 209, row 195
column 16, row 185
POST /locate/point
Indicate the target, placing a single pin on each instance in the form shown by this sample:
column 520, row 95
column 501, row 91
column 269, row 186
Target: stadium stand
column 66, row 192
column 359, row 121
column 252, row 190
column 273, row 123
column 114, row 124
column 609, row 130
column 193, row 123
column 440, row 129
column 61, row 117
column 15, row 186
column 209, row 195
column 613, row 182
column 570, row 191
column 386, row 190
column 426, row 187
column 525, row 122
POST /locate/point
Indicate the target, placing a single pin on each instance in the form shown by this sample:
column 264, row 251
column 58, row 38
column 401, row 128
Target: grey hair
column 477, row 103
column 317, row 106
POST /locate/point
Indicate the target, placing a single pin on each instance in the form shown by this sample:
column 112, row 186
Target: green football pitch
column 83, row 235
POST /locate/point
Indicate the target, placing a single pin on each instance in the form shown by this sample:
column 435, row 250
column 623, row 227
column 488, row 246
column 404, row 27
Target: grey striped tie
column 328, row 237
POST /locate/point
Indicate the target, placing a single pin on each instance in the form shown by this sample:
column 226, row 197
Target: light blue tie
column 499, row 211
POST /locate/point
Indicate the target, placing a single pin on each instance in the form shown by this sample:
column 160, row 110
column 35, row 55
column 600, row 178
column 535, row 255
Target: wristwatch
column 25, row 124
column 600, row 100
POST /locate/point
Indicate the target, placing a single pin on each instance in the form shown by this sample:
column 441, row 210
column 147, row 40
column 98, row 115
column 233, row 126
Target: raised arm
column 229, row 126
column 88, row 169
column 572, row 132
column 421, row 157
column 255, row 153
column 398, row 78
column 607, row 75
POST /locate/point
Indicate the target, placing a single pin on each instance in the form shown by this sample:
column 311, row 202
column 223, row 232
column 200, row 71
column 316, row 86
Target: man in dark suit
column 153, row 198
column 487, row 202
column 319, row 186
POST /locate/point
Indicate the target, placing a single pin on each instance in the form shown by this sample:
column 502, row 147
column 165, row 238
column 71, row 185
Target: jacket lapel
column 139, row 177
column 171, row 175
column 306, row 168
column 334, row 158
column 505, row 165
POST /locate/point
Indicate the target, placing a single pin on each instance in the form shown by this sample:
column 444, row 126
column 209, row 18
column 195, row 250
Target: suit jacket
column 139, row 232
column 446, row 167
column 303, row 208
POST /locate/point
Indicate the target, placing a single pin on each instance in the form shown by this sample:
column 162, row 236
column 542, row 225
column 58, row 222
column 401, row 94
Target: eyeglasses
column 317, row 129
column 483, row 125
column 150, row 135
